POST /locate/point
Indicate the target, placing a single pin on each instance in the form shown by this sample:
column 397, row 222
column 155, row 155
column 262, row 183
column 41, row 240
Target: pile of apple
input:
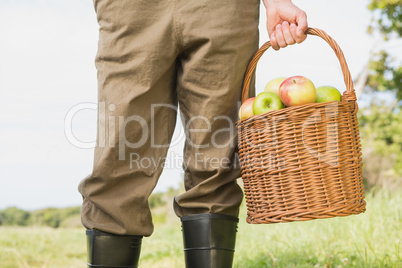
column 286, row 92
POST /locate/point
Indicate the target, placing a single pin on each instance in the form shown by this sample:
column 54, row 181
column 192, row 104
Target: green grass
column 29, row 247
column 372, row 239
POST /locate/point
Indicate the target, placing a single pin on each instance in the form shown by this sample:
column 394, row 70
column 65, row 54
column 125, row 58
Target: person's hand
column 286, row 23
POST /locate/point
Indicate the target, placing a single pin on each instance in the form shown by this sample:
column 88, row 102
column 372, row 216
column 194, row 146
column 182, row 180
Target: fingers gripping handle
column 348, row 95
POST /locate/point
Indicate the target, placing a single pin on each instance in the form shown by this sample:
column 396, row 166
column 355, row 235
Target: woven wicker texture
column 302, row 163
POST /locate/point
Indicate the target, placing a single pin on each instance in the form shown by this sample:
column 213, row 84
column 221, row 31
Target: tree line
column 61, row 217
column 52, row 217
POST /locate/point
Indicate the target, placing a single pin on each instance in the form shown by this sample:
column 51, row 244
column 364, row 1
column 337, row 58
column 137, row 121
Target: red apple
column 246, row 109
column 297, row 90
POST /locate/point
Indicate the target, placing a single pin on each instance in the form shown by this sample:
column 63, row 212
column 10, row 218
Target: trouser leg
column 218, row 49
column 136, row 77
column 139, row 43
column 218, row 44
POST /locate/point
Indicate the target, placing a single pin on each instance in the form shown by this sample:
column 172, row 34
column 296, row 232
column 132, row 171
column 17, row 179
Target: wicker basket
column 302, row 163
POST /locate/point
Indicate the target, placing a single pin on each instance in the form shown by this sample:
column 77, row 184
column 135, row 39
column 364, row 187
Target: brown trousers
column 154, row 56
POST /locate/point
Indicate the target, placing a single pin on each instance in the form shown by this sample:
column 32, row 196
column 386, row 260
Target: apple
column 273, row 85
column 327, row 93
column 297, row 90
column 246, row 109
column 267, row 101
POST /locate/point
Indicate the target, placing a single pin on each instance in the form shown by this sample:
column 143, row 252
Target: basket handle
column 349, row 95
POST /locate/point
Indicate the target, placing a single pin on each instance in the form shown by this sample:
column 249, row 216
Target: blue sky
column 47, row 52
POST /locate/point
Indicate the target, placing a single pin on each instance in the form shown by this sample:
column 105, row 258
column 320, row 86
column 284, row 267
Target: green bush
column 14, row 216
column 53, row 217
column 380, row 128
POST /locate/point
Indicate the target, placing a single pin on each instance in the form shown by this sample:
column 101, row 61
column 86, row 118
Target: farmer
column 154, row 56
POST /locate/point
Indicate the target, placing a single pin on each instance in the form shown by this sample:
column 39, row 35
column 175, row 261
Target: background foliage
column 381, row 121
column 386, row 70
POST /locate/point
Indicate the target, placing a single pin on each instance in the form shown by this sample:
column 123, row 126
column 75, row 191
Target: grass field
column 372, row 239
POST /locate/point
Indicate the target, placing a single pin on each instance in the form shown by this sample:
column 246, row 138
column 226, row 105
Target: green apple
column 265, row 102
column 273, row 85
column 327, row 93
column 246, row 109
column 297, row 90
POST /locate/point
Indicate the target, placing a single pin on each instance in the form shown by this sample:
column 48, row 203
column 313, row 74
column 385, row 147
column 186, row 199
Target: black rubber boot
column 209, row 240
column 107, row 250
